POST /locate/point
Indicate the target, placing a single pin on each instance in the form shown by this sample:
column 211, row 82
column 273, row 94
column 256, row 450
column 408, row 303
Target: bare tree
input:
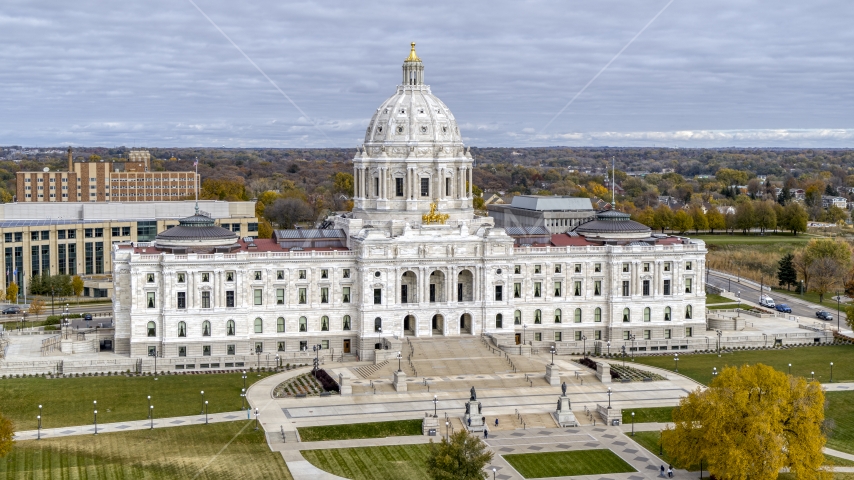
column 285, row 212
column 826, row 274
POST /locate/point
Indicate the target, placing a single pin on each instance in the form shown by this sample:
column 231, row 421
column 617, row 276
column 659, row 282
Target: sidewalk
column 131, row 425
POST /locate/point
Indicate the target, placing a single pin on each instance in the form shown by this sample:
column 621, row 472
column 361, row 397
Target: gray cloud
column 718, row 73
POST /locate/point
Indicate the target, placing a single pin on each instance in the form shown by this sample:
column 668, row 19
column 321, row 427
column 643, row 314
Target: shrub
column 328, row 383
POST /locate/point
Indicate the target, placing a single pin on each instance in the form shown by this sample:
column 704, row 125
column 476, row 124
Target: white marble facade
column 465, row 277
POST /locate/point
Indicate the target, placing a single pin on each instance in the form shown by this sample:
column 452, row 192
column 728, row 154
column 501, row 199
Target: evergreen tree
column 786, row 275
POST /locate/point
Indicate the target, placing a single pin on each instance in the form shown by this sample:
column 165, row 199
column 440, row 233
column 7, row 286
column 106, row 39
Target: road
column 750, row 293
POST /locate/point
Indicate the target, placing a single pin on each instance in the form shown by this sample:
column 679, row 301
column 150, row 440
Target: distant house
column 797, row 193
column 828, row 201
column 762, row 178
column 726, row 209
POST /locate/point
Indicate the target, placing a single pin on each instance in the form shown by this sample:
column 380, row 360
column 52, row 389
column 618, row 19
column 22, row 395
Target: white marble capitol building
column 390, row 269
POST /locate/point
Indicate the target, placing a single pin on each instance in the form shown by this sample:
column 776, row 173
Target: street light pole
column 435, row 405
column 244, row 380
column 95, row 403
column 399, row 357
column 39, row 417
column 584, row 339
column 203, row 402
column 149, row 406
column 256, row 419
column 676, row 359
column 243, row 398
column 633, row 424
column 151, row 415
column 609, row 398
column 609, row 347
column 831, row 372
column 633, row 347
column 552, row 350
column 447, row 431
column 837, row 310
column 206, row 412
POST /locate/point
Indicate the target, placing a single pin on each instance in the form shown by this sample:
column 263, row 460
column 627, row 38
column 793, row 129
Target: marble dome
column 413, row 115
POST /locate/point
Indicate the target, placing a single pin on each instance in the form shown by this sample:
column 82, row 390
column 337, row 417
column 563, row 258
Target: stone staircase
column 460, row 356
column 372, row 371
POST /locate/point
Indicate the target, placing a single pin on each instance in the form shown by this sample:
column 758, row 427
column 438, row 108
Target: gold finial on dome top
column 412, row 56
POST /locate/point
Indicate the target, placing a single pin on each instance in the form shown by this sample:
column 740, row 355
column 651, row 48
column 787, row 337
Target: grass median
column 216, row 451
column 69, row 401
column 354, row 431
column 400, row 462
column 564, row 464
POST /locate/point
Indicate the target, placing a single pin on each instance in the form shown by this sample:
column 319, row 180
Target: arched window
column 182, row 329
column 558, row 315
column 152, row 329
column 346, row 322
column 627, row 315
column 324, row 323
column 538, row 316
column 517, row 317
column 206, row 328
column 666, row 314
column 229, row 328
column 280, row 324
column 303, row 324
column 597, row 315
column 577, row 315
column 259, row 325
column 378, row 324
column 688, row 312
column 499, row 320
column 646, row 314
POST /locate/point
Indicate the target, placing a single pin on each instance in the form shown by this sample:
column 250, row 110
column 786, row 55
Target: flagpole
column 196, row 183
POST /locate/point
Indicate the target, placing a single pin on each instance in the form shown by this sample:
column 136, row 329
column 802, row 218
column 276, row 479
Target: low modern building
column 75, row 238
column 130, row 181
column 556, row 214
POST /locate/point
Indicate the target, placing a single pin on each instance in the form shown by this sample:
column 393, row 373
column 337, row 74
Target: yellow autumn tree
column 751, row 422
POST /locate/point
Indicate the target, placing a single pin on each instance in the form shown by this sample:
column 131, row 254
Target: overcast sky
column 157, row 73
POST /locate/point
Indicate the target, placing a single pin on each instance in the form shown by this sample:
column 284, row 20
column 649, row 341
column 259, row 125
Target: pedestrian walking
column 670, row 471
column 469, row 421
column 485, row 433
column 661, row 473
column 496, row 423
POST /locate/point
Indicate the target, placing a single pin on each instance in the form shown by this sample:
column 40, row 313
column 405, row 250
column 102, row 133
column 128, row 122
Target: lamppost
column 552, row 351
column 155, row 363
column 399, row 357
column 633, row 347
column 493, row 473
column 676, row 359
column 244, row 380
column 765, row 340
column 277, row 362
column 719, row 332
column 149, row 406
column 256, row 418
column 243, row 398
column 206, row 412
column 258, row 359
column 316, row 349
column 812, row 375
column 151, row 415
column 447, row 431
column 609, row 347
column 39, row 417
column 714, row 372
column 609, row 398
column 379, row 338
column 837, row 310
column 524, row 329
column 831, row 372
column 95, row 403
column 738, row 295
column 203, row 402
column 584, row 339
column 633, row 424
column 790, row 369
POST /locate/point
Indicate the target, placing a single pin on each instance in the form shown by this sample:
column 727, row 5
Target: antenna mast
column 613, row 183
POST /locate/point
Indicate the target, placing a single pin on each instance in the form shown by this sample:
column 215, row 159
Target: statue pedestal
column 430, row 426
column 344, row 387
column 399, row 381
column 563, row 414
column 603, row 372
column 473, row 419
column 552, row 375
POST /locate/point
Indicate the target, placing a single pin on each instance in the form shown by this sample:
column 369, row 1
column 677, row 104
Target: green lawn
column 650, row 441
column 564, row 464
column 352, row 431
column 729, row 306
column 752, row 239
column 400, row 462
column 648, row 415
column 68, row 401
column 198, row 451
column 712, row 298
column 840, row 409
column 804, row 360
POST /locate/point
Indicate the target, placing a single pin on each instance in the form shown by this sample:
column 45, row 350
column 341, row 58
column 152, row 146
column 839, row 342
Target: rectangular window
column 432, row 292
column 252, row 226
column 60, row 253
column 324, row 295
column 689, row 331
column 447, row 187
column 627, row 268
column 345, row 295
column 229, row 276
column 60, row 234
column 538, row 337
column 280, row 296
column 558, row 336
column 538, row 289
column 558, row 268
column 597, row 267
column 99, row 233
column 99, row 258
column 229, row 299
column 688, row 265
column 206, row 277
column 19, row 236
column 302, row 296
column 324, row 344
column 34, row 258
column 72, row 234
column 34, row 236
column 646, row 287
column 229, row 350
column 182, row 351
column 499, row 293
column 625, row 288
column 647, row 334
column 206, row 350
column 517, row 290
column 597, row 287
column 280, row 346
column 303, row 324
column 125, row 231
column 538, row 269
column 72, row 258
column 257, row 274
column 378, row 296
column 151, row 300
column 258, row 296
column 7, row 237
column 376, row 187
column 259, row 347
column 346, row 273
column 667, row 333
column 398, row 187
column 87, row 232
column 517, row 269
column 577, row 336
column 666, row 266
column 558, row 291
column 115, row 231
column 425, row 187
column 182, row 300
column 324, row 273
column 688, row 285
column 597, row 335
column 302, row 274
column 646, row 267
column 577, row 268
column 667, row 287
column 89, row 258
column 577, row 288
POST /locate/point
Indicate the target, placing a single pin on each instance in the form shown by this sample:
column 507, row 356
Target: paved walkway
column 131, row 425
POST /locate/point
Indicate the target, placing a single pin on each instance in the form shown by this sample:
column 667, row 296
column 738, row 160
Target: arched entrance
column 465, row 286
column 438, row 325
column 409, row 287
column 436, row 292
column 465, row 323
column 409, row 325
